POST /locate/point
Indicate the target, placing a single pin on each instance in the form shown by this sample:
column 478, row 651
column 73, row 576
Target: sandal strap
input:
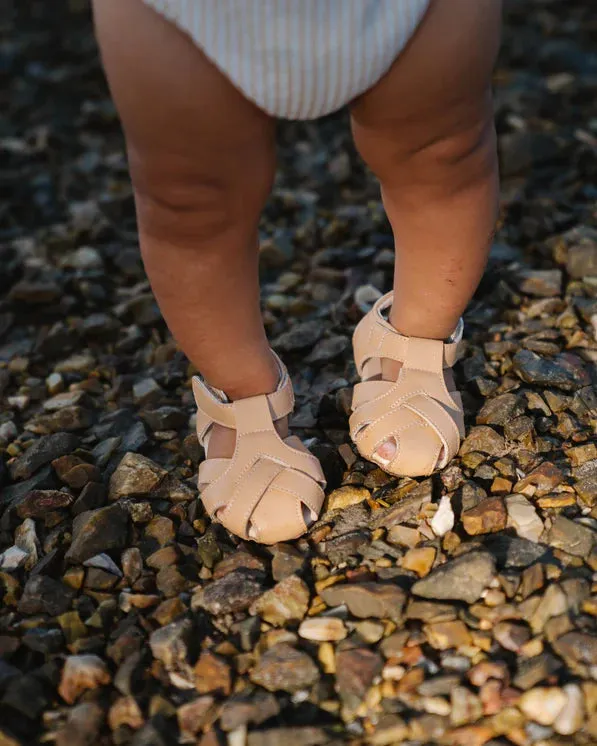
column 376, row 338
column 265, row 409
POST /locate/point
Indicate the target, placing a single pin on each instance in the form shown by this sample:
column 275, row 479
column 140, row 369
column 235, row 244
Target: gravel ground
column 457, row 610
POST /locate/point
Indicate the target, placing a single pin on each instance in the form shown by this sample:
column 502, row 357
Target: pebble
column 523, row 517
column 365, row 600
column 286, row 602
column 461, row 579
column 234, row 592
column 322, row 629
column 420, row 560
column 97, row 531
column 284, row 668
column 487, row 517
column 443, row 519
column 80, row 673
column 543, row 704
column 135, row 476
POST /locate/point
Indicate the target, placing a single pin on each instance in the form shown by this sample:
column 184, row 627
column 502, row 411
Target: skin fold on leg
column 202, row 162
column 426, row 130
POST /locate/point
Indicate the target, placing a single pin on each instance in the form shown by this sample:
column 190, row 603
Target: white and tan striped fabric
column 298, row 59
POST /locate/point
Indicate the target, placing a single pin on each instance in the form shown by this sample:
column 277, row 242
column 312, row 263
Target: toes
column 387, row 450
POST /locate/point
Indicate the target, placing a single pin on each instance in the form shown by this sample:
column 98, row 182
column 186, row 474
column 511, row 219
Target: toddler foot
column 258, row 481
column 407, row 416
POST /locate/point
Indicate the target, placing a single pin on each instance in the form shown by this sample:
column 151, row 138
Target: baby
column 199, row 85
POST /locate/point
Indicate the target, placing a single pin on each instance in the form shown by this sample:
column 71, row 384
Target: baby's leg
column 426, row 130
column 202, row 163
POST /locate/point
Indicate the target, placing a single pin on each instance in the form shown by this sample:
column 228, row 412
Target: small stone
column 579, row 455
column 43, row 595
column 322, row 629
column 571, row 718
column 299, row 337
column 572, row 537
column 170, row 645
column 582, row 259
column 553, row 603
column 38, row 503
column 165, row 418
column 563, row 372
column 343, row 497
column 445, row 635
column 419, row 560
column 488, row 517
column 511, row 636
column 98, row 531
column 403, row 536
column 578, row 649
column 356, row 669
column 286, row 561
column 236, row 561
column 80, row 673
column 370, row 630
column 405, row 509
column 285, row 668
column 543, row 283
column 484, row 439
column 13, row 558
column 135, row 476
column 125, row 711
column 212, row 675
column 146, row 392
column 286, row 602
column 523, row 517
column 42, row 452
column 466, row 708
column 366, row 600
column 244, row 708
column 461, row 579
column 500, row 409
column 543, row 704
column 443, row 519
column 234, row 592
column 540, row 481
column 195, row 715
column 82, row 726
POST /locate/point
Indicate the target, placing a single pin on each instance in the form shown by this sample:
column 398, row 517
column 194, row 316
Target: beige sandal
column 425, row 420
column 270, row 486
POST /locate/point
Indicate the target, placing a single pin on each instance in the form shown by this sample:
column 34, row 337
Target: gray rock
column 561, row 372
column 582, row 258
column 356, row 669
column 44, row 450
column 299, row 337
column 571, row 536
column 135, row 476
column 97, row 531
column 500, row 409
column 483, row 439
column 364, row 600
column 234, row 592
column 283, row 668
column 43, row 595
column 165, row 418
column 461, row 579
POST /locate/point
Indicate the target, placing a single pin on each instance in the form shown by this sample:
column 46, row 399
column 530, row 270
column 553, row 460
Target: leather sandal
column 424, row 418
column 271, row 487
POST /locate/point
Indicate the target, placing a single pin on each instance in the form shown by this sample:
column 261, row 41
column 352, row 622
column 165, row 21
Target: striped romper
column 298, row 59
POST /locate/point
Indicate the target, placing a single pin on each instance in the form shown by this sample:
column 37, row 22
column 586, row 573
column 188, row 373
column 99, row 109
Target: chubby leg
column 202, row 161
column 426, row 130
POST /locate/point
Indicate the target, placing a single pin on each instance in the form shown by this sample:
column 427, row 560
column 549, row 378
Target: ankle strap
column 212, row 405
column 375, row 337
